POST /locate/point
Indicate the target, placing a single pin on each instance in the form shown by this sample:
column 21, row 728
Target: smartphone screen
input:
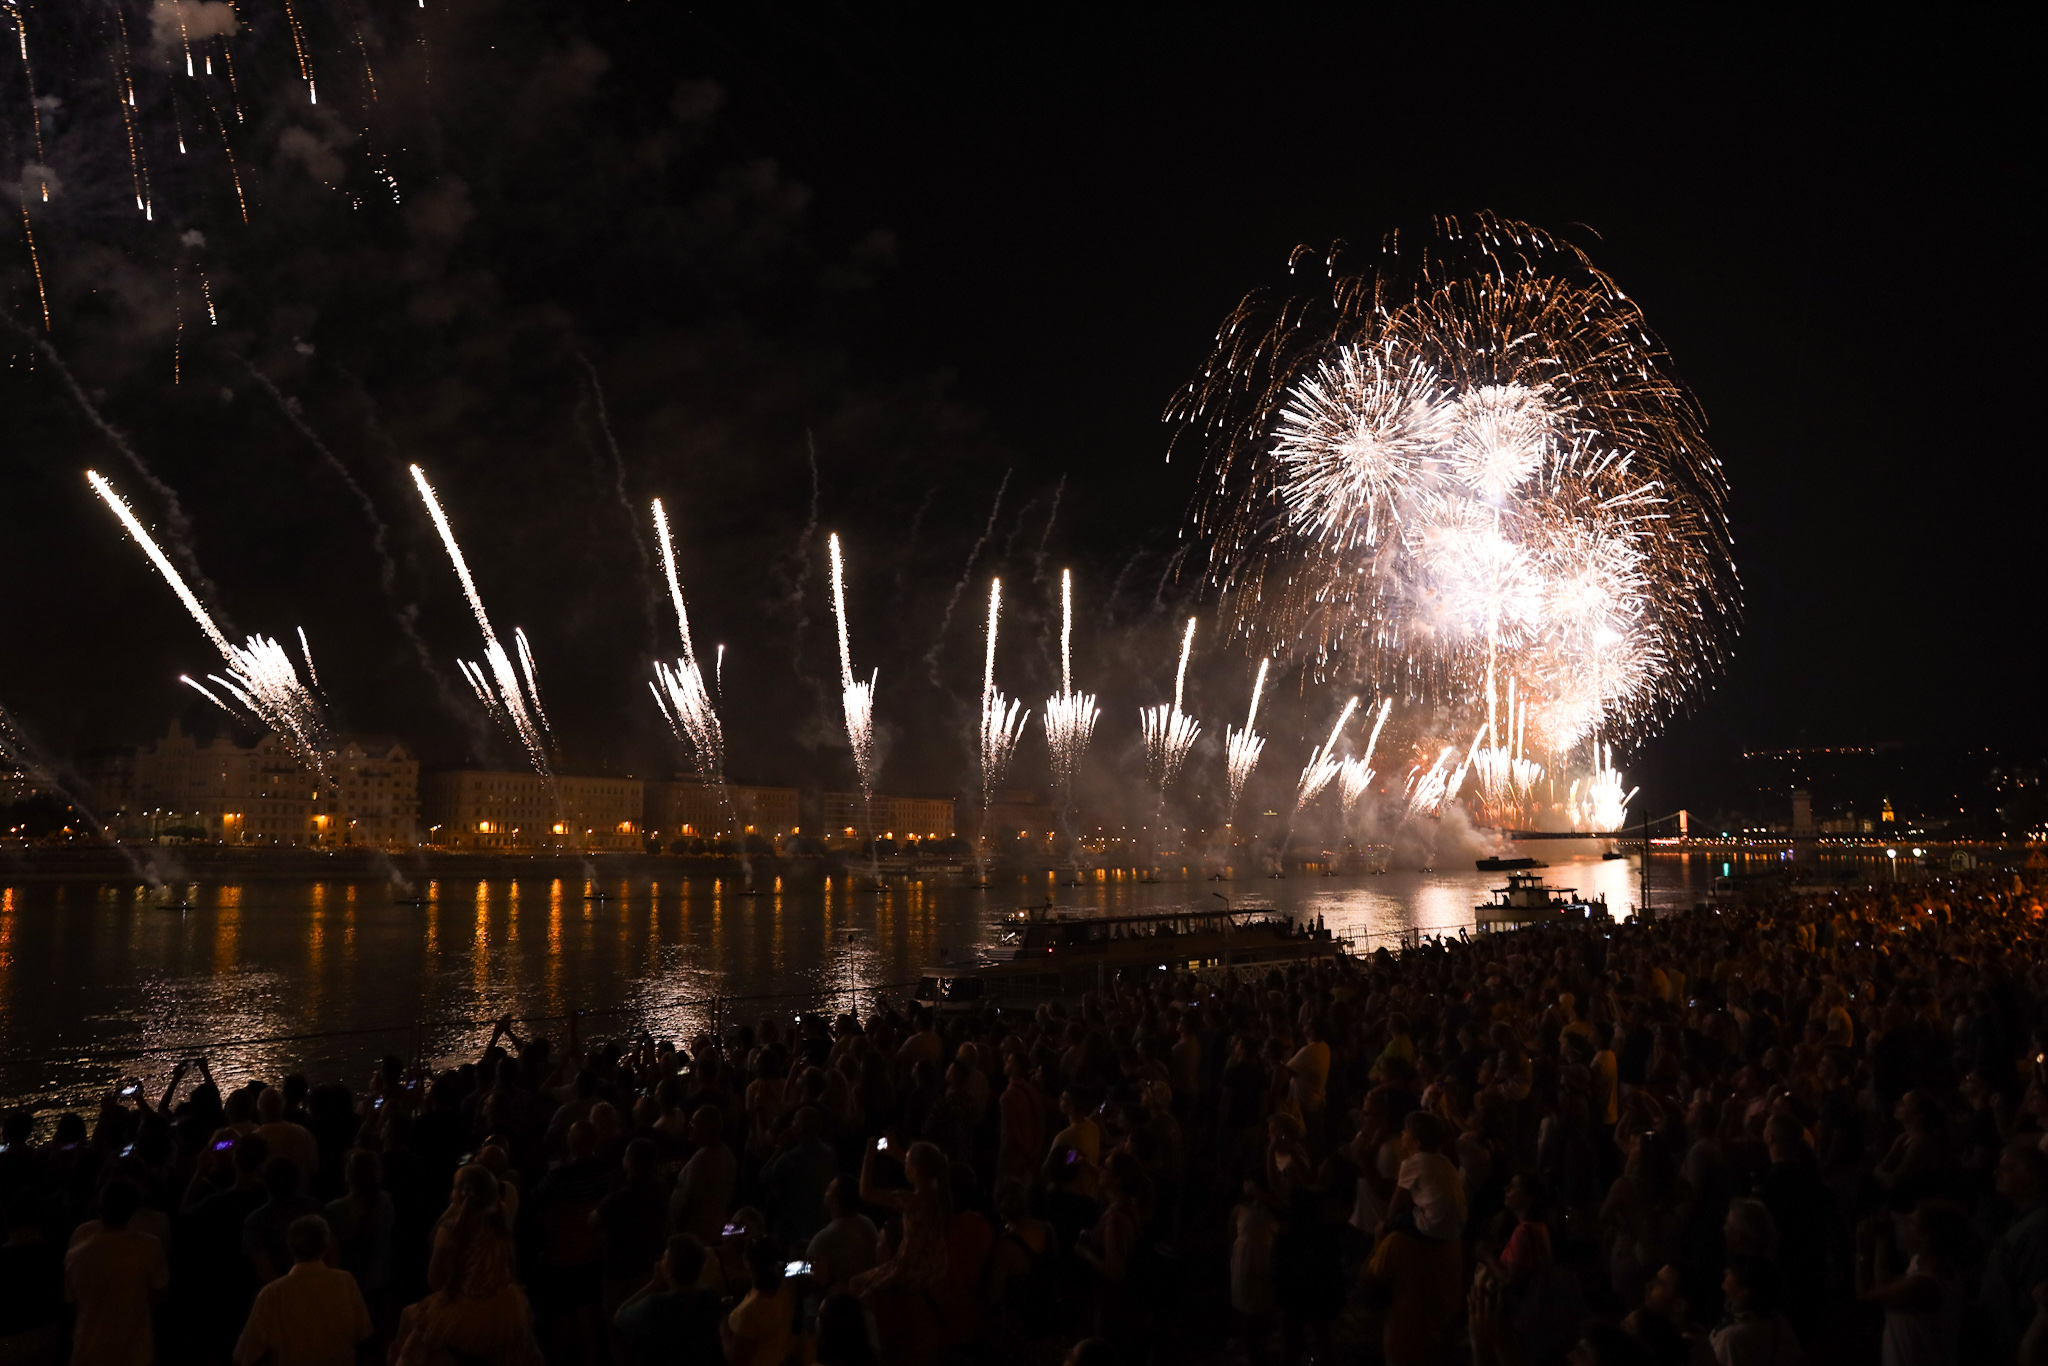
column 796, row 1269
column 732, row 1230
column 881, row 1145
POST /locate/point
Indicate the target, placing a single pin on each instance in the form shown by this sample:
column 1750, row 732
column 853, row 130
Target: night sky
column 952, row 258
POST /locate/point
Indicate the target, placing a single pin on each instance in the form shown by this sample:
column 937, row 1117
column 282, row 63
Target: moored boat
column 1528, row 900
column 1048, row 953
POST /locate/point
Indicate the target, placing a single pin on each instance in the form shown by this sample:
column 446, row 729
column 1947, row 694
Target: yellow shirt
column 761, row 1327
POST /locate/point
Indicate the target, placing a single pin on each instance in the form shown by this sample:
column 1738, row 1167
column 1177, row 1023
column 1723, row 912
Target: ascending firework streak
column 259, row 676
column 1241, row 748
column 513, row 701
column 679, row 690
column 1169, row 732
column 1069, row 716
column 1323, row 764
column 859, row 698
column 1357, row 774
column 1002, row 721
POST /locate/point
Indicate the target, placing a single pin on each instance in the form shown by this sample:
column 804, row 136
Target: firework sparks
column 1170, row 732
column 513, row 702
column 857, row 698
column 1241, row 748
column 1598, row 802
column 1355, row 775
column 1462, row 471
column 1002, row 720
column 1070, row 716
column 1323, row 764
column 260, row 676
column 679, row 689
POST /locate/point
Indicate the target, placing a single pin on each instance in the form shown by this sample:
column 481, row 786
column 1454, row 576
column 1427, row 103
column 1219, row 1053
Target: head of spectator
column 1422, row 1132
column 642, row 1160
column 241, row 1107
column 270, row 1105
column 925, row 1164
column 839, row 1199
column 582, row 1140
column 1012, row 1200
column 845, row 1337
column 1785, row 1136
column 1940, row 1232
column 2022, row 1173
column 308, row 1238
column 118, row 1204
column 363, row 1174
column 281, row 1178
column 707, row 1126
column 475, row 1197
column 1750, row 1287
column 1603, row 1344
column 682, row 1260
column 1092, row 1352
column 764, row 1265
column 1749, row 1230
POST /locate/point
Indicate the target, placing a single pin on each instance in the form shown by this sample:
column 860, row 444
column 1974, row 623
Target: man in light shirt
column 313, row 1315
column 1429, row 1193
column 1310, row 1067
column 116, row 1277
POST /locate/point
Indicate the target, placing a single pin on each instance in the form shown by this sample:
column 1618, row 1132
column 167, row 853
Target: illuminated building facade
column 260, row 794
column 901, row 819
column 686, row 809
column 521, row 812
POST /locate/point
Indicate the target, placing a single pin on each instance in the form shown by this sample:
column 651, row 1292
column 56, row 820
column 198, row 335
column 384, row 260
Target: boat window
column 927, row 988
column 964, row 989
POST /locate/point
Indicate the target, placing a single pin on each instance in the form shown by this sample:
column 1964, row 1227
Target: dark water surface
column 99, row 983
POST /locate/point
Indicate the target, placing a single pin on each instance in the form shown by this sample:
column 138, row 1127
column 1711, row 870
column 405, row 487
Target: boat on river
column 1047, row 953
column 1529, row 900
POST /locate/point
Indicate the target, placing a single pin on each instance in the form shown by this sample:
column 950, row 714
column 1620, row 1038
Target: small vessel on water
column 1504, row 865
column 1047, row 953
column 1528, row 900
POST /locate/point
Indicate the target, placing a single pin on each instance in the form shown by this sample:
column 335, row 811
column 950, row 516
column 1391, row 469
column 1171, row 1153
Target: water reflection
column 114, row 972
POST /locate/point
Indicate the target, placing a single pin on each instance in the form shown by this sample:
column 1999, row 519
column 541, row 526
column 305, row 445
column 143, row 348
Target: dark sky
column 939, row 251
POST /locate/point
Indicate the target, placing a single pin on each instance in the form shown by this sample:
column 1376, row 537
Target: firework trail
column 20, row 753
column 1070, row 716
column 1169, row 732
column 1323, row 764
column 1465, row 468
column 260, row 676
column 387, row 568
column 512, row 702
column 618, row 471
column 1241, row 748
column 857, row 698
column 180, row 529
column 679, row 690
column 1002, row 720
column 931, row 656
column 1356, row 774
column 718, row 670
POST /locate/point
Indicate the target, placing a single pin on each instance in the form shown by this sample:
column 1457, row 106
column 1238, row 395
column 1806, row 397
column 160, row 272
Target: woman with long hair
column 477, row 1312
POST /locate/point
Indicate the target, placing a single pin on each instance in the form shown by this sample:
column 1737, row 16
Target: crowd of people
column 1802, row 1128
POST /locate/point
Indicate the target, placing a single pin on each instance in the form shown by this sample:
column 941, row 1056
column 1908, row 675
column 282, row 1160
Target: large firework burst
column 1462, row 464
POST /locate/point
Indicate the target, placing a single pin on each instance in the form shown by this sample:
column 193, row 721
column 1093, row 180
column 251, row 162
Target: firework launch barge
column 1529, row 900
column 1047, row 954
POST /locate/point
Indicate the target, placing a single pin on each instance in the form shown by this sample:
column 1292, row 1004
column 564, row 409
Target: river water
column 98, row 983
